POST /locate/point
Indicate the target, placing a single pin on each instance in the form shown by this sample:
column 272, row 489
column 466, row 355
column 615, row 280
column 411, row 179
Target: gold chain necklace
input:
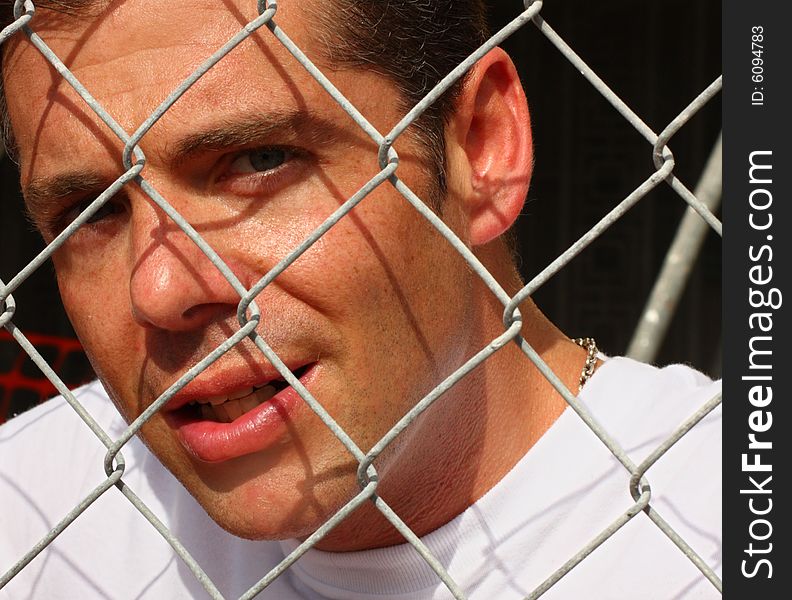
column 591, row 359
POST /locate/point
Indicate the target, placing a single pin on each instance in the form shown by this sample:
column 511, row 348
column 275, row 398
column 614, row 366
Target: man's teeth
column 240, row 394
column 225, row 409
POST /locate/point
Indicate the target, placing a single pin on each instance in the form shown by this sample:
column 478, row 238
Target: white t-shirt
column 562, row 494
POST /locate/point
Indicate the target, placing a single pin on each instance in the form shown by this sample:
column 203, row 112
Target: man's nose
column 174, row 286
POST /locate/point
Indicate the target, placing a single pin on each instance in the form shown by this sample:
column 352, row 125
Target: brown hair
column 415, row 43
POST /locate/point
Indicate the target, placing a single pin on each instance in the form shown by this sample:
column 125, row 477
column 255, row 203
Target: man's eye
column 259, row 160
column 108, row 210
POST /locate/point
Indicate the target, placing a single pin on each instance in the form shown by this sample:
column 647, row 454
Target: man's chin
column 257, row 530
column 260, row 524
column 259, row 509
column 260, row 496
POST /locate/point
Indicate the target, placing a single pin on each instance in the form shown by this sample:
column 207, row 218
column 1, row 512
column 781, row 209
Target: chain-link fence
column 699, row 218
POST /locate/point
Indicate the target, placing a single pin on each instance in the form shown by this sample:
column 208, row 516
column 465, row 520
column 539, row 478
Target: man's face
column 255, row 156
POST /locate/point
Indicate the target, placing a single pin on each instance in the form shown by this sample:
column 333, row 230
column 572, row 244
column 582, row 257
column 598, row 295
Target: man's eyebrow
column 42, row 195
column 283, row 127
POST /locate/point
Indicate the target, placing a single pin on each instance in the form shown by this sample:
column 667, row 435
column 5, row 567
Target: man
column 255, row 156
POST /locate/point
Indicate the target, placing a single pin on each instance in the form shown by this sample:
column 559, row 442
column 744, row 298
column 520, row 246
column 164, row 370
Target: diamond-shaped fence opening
column 699, row 219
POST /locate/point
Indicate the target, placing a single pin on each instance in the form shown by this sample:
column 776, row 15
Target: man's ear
column 489, row 147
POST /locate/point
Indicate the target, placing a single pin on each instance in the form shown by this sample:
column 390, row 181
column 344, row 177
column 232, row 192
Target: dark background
column 657, row 57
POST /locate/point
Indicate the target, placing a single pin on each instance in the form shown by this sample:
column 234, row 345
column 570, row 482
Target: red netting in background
column 22, row 385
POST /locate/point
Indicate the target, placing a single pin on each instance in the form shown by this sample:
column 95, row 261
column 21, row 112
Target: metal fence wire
column 248, row 313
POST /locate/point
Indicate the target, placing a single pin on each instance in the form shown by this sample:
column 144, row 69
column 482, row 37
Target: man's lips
column 214, row 426
column 229, row 383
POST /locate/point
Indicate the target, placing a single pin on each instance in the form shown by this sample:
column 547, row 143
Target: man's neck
column 472, row 435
